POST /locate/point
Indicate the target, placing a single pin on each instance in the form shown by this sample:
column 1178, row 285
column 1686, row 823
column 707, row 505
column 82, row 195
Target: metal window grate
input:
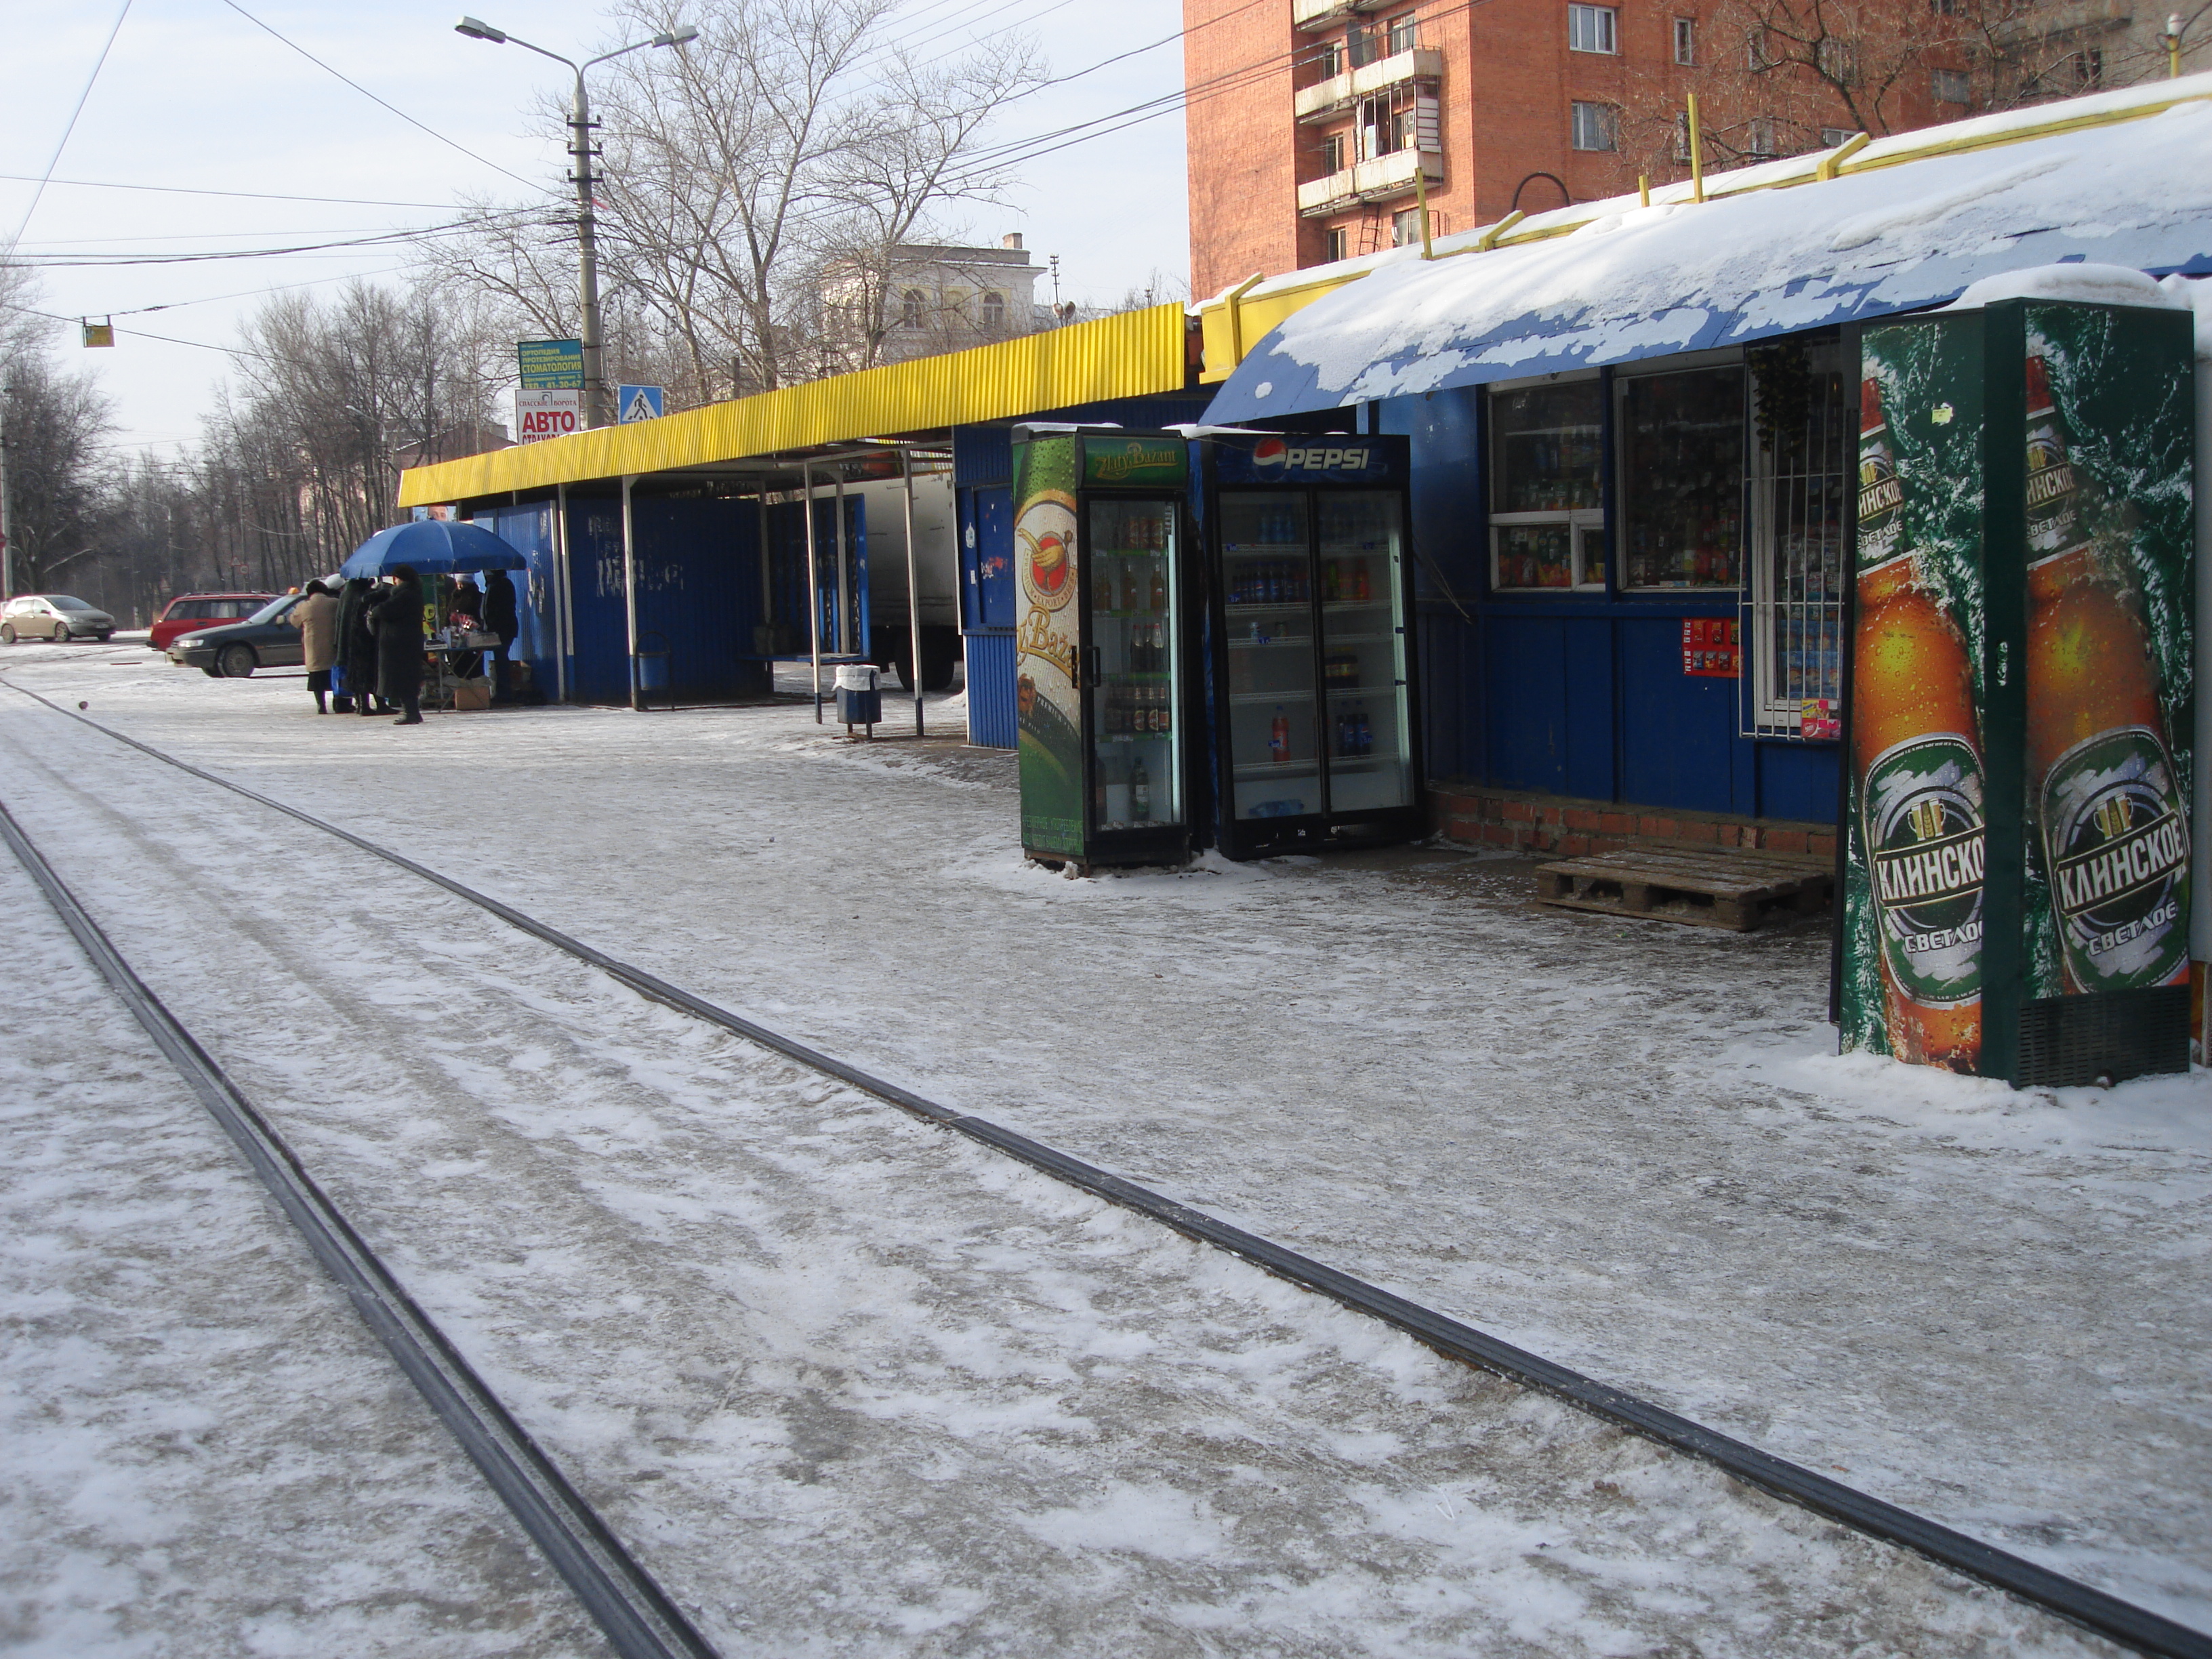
column 1800, row 490
column 2107, row 1036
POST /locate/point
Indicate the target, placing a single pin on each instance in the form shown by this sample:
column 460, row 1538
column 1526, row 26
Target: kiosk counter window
column 1547, row 473
column 1802, row 451
column 1682, row 479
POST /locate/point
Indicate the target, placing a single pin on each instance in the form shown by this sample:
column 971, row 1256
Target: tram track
column 2082, row 1604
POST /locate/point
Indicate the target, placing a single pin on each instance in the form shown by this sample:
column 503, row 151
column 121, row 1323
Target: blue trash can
column 860, row 696
column 649, row 667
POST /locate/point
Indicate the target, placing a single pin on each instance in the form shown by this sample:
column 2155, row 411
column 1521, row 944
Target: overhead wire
column 62, row 143
column 243, row 195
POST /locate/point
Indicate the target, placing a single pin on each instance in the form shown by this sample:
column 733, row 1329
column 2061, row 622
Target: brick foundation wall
column 1527, row 821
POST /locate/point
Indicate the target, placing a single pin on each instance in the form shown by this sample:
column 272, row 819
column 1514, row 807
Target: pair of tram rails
column 639, row 1617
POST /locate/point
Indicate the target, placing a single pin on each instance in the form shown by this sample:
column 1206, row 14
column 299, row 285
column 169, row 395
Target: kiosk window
column 1801, row 485
column 1547, row 526
column 1682, row 479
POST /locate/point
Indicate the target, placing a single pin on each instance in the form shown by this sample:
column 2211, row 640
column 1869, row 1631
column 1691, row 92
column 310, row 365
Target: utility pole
column 599, row 408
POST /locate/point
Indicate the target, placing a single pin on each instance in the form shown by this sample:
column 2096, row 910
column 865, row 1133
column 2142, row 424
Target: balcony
column 1378, row 180
column 1327, row 98
column 1320, row 14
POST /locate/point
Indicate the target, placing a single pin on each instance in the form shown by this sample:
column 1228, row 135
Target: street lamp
column 596, row 410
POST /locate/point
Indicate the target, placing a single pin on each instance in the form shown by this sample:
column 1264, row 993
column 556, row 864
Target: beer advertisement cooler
column 1100, row 680
column 2020, row 713
column 1311, row 585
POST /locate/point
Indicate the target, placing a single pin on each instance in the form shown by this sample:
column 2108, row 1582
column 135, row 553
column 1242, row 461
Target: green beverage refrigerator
column 1100, row 678
column 1312, row 723
column 2020, row 710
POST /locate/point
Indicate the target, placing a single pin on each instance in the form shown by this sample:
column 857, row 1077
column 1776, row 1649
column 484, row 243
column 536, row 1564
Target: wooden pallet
column 1717, row 889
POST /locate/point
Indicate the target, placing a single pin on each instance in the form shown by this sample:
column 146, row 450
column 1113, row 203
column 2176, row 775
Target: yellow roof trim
column 1133, row 354
column 1229, row 339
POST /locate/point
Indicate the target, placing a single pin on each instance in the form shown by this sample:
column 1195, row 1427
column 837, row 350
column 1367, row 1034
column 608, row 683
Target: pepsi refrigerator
column 1311, row 593
column 1100, row 677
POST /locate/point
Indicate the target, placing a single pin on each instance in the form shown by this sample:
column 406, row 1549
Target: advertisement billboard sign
column 2021, row 711
column 539, row 414
column 550, row 365
column 1047, row 698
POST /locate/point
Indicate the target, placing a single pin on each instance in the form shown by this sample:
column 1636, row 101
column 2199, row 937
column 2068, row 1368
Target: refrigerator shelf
column 1303, row 642
column 1261, row 549
column 1268, row 604
column 1294, row 768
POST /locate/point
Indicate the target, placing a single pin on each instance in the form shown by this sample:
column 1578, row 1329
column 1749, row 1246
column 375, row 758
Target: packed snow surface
column 1681, row 277
column 850, row 1383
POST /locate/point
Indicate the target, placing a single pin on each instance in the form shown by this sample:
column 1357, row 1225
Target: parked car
column 234, row 650
column 52, row 616
column 190, row 612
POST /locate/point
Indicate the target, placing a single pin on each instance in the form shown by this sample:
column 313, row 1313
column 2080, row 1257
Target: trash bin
column 649, row 670
column 860, row 699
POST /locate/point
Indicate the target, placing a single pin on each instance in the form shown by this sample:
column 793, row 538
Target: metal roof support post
column 848, row 612
column 564, row 627
column 629, row 590
column 768, row 581
column 913, row 592
column 813, row 589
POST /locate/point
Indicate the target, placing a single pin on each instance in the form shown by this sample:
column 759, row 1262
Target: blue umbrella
column 433, row 547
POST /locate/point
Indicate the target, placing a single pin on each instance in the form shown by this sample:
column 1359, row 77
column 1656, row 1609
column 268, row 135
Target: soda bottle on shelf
column 1140, row 791
column 1129, row 586
column 1278, row 736
column 1916, row 757
column 1359, row 580
column 1159, row 593
column 1366, row 732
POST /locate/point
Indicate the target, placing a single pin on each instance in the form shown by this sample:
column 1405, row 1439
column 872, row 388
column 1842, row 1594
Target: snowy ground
column 852, row 1385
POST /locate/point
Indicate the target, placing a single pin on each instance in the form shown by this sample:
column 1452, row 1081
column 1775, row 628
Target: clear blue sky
column 193, row 95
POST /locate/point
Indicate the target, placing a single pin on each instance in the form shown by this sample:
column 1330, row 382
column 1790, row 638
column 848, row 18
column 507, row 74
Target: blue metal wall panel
column 991, row 708
column 1588, row 643
column 1677, row 732
column 529, row 530
column 1800, row 781
column 982, row 454
column 601, row 623
column 1525, row 693
column 698, row 589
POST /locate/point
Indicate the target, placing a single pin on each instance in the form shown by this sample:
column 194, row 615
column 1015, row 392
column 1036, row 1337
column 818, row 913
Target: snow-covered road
column 850, row 1384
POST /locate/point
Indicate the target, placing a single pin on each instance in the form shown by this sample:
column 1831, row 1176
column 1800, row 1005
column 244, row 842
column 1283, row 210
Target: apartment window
column 1406, row 227
column 1329, row 61
column 994, row 311
column 1949, row 86
column 1943, row 8
column 1594, row 127
column 1364, row 43
column 1686, row 41
column 911, row 308
column 1831, row 137
column 1590, row 28
column 1758, row 54
column 1838, row 60
column 1759, row 139
column 1404, row 32
column 1339, row 244
column 2089, row 69
column 1332, row 153
column 1682, row 137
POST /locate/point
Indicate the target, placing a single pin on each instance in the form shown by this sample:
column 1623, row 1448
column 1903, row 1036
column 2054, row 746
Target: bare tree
column 54, row 423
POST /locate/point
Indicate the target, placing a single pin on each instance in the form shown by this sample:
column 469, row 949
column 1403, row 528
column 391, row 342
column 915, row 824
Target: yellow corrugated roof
column 1133, row 354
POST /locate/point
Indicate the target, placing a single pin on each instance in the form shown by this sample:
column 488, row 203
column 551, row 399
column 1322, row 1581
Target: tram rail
column 2108, row 1616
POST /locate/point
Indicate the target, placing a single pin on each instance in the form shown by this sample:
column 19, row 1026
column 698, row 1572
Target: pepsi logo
column 1311, row 458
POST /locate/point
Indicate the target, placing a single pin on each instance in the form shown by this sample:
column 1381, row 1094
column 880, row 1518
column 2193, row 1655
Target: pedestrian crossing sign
column 637, row 402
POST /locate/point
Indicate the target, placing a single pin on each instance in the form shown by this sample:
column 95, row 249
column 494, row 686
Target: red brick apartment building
column 1314, row 124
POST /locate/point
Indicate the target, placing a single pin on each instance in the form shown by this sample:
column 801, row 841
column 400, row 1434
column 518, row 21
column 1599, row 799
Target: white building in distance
column 933, row 299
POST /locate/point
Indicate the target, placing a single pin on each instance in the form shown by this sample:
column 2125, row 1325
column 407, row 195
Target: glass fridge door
column 1136, row 742
column 1267, row 566
column 1363, row 639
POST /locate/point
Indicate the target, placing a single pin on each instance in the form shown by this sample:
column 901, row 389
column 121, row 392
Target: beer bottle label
column 2116, row 848
column 1880, row 496
column 1921, row 813
column 2054, row 509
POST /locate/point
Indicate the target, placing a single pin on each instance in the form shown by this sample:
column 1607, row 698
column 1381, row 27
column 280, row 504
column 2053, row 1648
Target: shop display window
column 1682, row 479
column 1547, row 525
column 1800, row 462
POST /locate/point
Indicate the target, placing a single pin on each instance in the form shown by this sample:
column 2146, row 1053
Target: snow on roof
column 1635, row 281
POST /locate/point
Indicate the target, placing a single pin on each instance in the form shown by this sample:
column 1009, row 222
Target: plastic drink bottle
column 1278, row 736
column 1140, row 791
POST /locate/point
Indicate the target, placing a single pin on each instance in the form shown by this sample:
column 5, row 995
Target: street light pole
column 598, row 406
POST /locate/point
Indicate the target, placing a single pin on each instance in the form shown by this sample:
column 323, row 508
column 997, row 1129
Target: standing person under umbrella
column 316, row 617
column 396, row 621
column 356, row 646
column 500, row 617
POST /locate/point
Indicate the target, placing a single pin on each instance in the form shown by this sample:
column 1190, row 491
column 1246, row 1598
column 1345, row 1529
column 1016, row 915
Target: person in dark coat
column 396, row 621
column 500, row 617
column 357, row 646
